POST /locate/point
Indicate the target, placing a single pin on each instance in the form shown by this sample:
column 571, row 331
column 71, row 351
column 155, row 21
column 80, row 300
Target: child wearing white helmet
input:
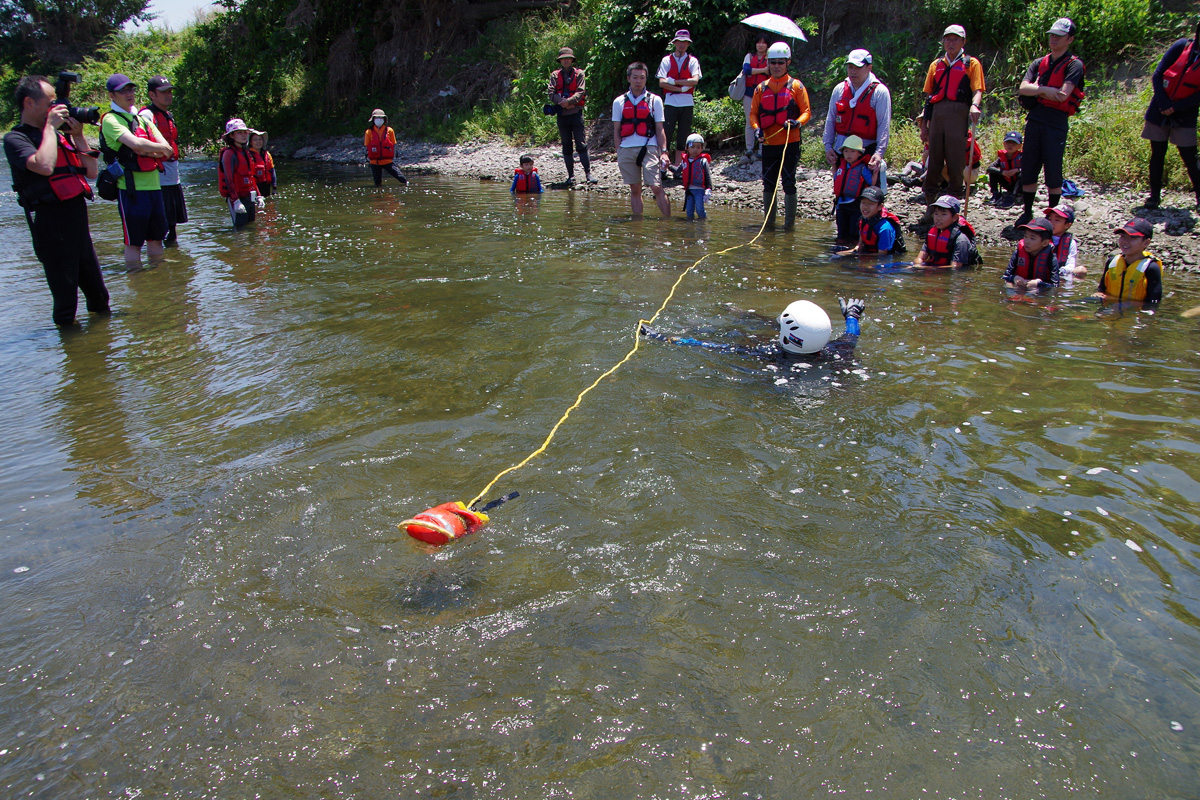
column 804, row 334
column 696, row 177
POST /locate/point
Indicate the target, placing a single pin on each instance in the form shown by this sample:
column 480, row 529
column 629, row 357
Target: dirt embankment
column 1176, row 237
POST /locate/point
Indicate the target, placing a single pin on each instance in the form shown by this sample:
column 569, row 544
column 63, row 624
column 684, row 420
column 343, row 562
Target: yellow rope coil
column 637, row 339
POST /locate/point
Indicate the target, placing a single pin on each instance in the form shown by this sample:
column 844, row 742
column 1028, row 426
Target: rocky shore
column 1176, row 238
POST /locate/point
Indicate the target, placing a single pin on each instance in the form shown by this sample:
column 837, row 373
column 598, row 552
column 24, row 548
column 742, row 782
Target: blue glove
column 852, row 310
column 746, row 69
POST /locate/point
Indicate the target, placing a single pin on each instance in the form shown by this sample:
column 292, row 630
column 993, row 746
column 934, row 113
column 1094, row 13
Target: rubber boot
column 769, row 208
column 789, row 211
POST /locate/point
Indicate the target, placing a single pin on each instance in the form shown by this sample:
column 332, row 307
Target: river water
column 964, row 565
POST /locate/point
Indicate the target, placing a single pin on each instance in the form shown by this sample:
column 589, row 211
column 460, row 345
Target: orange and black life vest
column 951, row 81
column 165, row 122
column 1182, row 79
column 1055, row 75
column 752, row 80
column 637, row 119
column 1062, row 250
column 526, row 183
column 694, row 173
column 940, row 243
column 380, row 147
column 850, row 179
column 776, row 108
column 1034, row 267
column 681, row 73
column 857, row 121
column 1008, row 160
column 868, row 232
column 235, row 173
column 66, row 182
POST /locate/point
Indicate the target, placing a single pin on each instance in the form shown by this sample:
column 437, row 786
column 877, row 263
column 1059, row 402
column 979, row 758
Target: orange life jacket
column 526, row 183
column 940, row 243
column 380, row 147
column 753, row 80
column 695, row 172
column 165, row 122
column 1062, row 250
column 850, row 180
column 1038, row 266
column 261, row 174
column 868, row 232
column 637, row 119
column 680, row 73
column 1055, row 76
column 951, row 82
column 1182, row 79
column 857, row 121
column 237, row 179
column 776, row 108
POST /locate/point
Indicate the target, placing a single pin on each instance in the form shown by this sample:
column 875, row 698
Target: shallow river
column 963, row 566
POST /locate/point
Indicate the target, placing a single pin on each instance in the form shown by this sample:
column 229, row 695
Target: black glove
column 852, row 308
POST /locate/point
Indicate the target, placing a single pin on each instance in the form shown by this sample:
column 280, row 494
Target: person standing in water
column 160, row 92
column 380, row 141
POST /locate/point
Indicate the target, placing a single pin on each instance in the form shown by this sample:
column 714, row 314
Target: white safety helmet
column 779, row 50
column 804, row 327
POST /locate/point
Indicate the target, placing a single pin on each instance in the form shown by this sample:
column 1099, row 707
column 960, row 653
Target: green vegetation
column 477, row 69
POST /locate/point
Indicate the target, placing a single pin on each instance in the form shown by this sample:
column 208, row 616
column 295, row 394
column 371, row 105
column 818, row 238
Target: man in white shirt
column 641, row 139
column 678, row 75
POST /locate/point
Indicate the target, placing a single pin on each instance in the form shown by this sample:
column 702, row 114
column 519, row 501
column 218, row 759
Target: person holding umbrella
column 779, row 108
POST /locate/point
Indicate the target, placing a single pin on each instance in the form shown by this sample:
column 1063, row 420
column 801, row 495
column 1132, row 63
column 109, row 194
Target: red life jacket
column 857, row 121
column 1182, row 79
column 1055, row 76
column 237, row 179
column 261, row 175
column 1033, row 267
column 1008, row 162
column 753, row 80
column 849, row 181
column 1062, row 250
column 379, row 146
column 525, row 183
column 680, row 73
column 868, row 232
column 66, row 182
column 951, row 82
column 940, row 243
column 634, row 121
column 698, row 174
column 563, row 87
column 776, row 108
column 128, row 159
column 165, row 122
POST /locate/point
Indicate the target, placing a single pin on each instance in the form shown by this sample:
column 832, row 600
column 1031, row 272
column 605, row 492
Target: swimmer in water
column 804, row 335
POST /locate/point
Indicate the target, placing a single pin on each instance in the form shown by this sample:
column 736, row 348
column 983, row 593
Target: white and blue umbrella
column 776, row 23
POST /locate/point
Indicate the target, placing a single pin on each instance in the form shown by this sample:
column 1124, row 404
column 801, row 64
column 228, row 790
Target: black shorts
column 143, row 216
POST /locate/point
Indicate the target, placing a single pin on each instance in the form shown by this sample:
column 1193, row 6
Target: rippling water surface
column 965, row 565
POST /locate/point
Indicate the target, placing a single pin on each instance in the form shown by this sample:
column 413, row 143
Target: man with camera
column 567, row 97
column 50, row 175
column 138, row 148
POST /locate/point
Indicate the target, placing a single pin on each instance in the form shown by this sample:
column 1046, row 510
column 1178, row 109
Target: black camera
column 62, row 87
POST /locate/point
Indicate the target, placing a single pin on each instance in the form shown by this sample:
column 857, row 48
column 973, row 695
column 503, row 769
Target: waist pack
column 106, row 181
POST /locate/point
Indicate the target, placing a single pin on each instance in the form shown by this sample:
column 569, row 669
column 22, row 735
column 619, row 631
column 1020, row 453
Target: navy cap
column 948, row 201
column 117, row 82
column 1013, row 136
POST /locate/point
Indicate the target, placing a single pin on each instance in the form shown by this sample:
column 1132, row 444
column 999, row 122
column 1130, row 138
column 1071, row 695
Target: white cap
column 695, row 138
column 858, row 57
column 957, row 30
column 1062, row 27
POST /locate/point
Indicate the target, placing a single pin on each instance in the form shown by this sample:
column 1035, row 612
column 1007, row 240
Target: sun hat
column 566, row 52
column 234, row 125
column 682, row 35
column 854, row 143
column 376, row 113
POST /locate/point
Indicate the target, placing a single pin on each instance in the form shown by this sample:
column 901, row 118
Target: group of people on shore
column 52, row 163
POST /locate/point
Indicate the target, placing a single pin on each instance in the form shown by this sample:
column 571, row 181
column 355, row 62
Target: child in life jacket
column 951, row 241
column 803, row 337
column 1134, row 273
column 525, row 179
column 235, row 174
column 1033, row 265
column 1066, row 250
column 1004, row 174
column 878, row 229
column 851, row 176
column 696, row 176
column 264, row 163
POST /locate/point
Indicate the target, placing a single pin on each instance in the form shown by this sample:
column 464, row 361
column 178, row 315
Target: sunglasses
column 777, row 61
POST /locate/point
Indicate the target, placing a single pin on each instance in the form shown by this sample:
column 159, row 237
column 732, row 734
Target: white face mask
column 379, row 122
